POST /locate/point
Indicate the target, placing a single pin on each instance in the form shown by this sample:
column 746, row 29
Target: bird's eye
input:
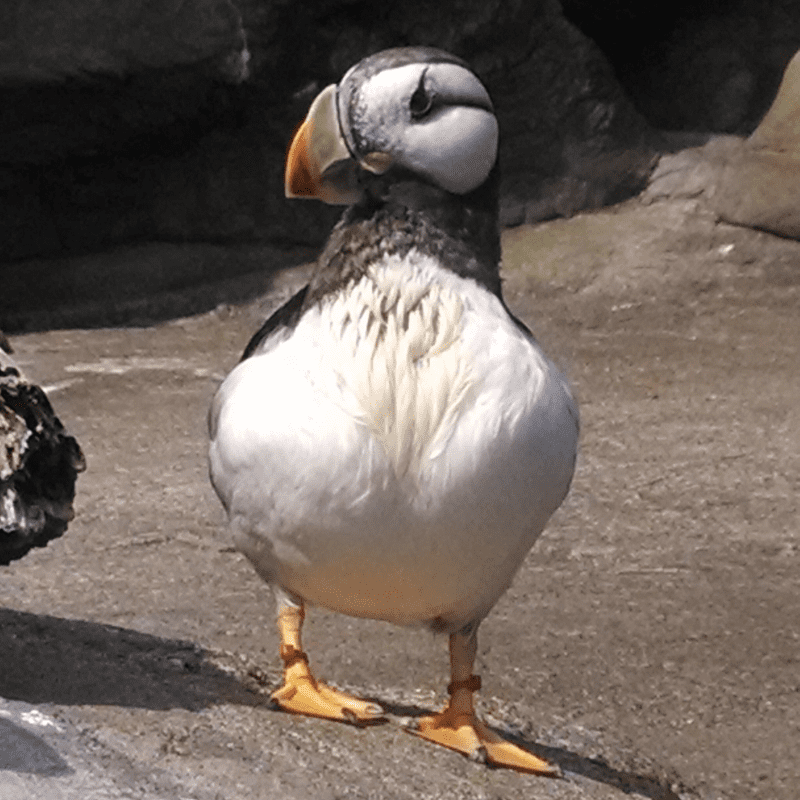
column 421, row 102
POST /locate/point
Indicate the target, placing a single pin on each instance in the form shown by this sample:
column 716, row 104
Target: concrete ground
column 650, row 644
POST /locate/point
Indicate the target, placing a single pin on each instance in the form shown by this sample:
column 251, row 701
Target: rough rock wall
column 58, row 39
column 131, row 121
column 712, row 66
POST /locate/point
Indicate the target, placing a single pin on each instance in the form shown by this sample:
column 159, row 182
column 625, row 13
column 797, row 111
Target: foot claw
column 479, row 755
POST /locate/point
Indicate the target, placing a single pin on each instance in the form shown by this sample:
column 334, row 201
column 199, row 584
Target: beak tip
column 299, row 180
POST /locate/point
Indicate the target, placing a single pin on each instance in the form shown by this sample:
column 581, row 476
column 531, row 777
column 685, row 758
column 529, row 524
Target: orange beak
column 302, row 174
column 318, row 164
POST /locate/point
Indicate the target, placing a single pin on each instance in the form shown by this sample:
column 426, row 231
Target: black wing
column 285, row 317
column 518, row 322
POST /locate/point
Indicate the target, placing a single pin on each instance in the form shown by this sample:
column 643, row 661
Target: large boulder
column 93, row 94
column 758, row 182
column 139, row 120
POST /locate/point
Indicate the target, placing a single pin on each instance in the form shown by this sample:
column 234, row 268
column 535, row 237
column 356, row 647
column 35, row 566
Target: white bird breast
column 397, row 455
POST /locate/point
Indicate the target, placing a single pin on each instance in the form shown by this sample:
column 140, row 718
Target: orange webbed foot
column 458, row 728
column 301, row 693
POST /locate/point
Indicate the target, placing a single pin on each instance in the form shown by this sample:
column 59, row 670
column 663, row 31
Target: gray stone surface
column 649, row 644
column 759, row 181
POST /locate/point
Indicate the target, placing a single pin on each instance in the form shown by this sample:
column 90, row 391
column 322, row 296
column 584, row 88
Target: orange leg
column 457, row 726
column 301, row 693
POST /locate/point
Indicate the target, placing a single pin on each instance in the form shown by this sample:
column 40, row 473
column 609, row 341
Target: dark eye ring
column 421, row 102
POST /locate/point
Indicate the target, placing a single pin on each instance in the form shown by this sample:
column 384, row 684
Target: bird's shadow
column 570, row 762
column 46, row 659
column 23, row 751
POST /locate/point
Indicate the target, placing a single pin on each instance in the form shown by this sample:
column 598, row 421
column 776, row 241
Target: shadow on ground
column 70, row 662
column 137, row 285
column 23, row 751
column 629, row 781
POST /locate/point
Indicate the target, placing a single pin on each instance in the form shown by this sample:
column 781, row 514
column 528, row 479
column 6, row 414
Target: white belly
column 398, row 454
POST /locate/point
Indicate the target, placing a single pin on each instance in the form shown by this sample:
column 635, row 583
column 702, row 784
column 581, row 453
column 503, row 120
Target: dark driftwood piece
column 39, row 462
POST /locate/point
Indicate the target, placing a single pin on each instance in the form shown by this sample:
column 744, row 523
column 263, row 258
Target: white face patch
column 456, row 149
column 455, row 145
column 383, row 104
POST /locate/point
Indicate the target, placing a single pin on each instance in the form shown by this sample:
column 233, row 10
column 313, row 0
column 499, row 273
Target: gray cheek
column 456, row 149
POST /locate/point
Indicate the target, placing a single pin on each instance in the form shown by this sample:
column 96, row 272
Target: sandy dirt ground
column 650, row 644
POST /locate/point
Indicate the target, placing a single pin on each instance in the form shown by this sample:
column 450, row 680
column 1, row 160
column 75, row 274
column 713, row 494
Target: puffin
column 394, row 440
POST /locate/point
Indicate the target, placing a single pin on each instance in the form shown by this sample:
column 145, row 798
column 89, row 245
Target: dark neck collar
column 461, row 232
